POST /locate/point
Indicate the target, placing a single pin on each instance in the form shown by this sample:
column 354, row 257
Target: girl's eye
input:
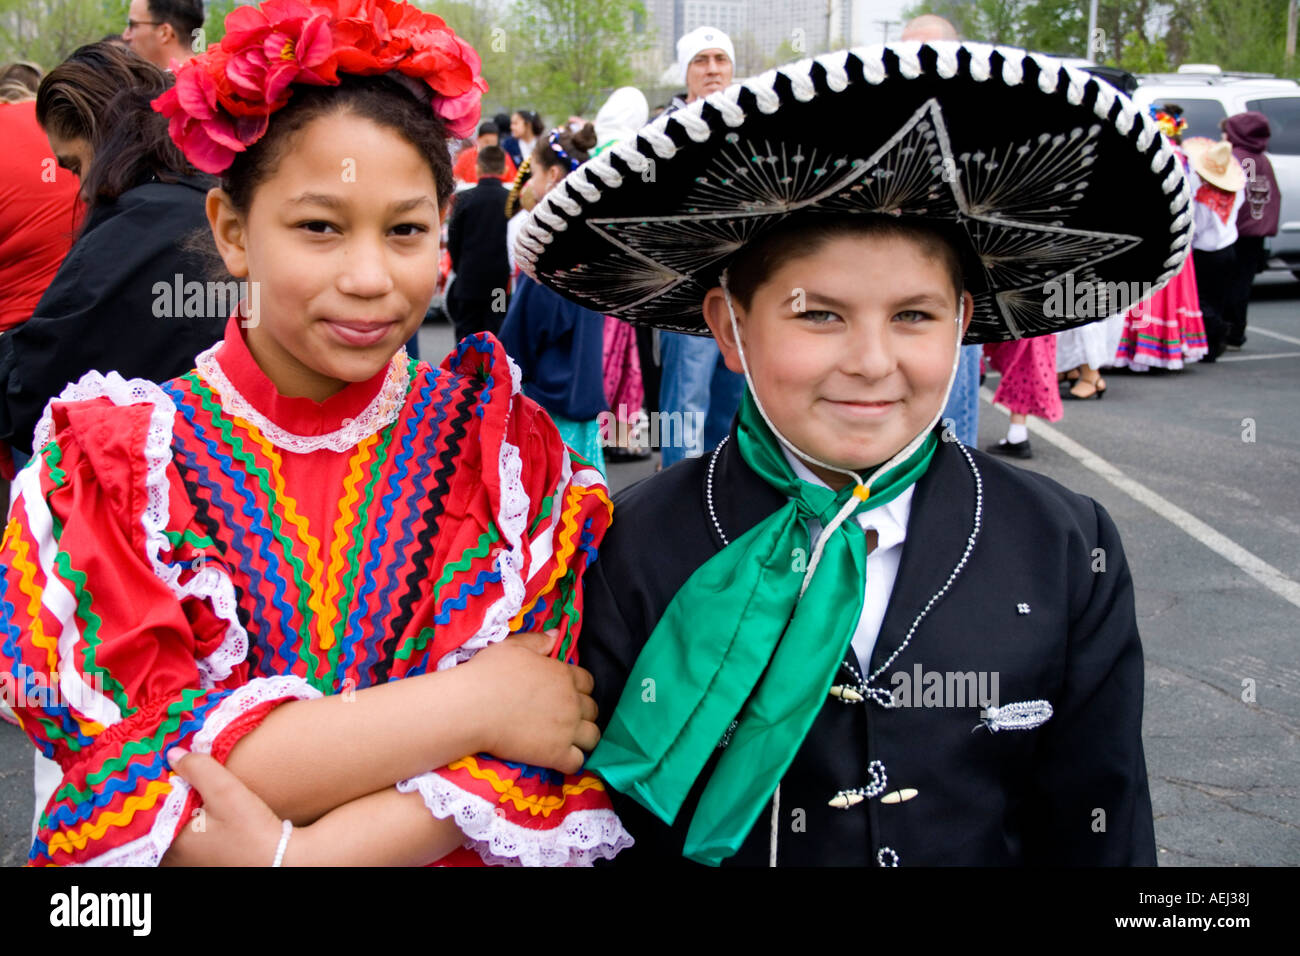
column 408, row 229
column 316, row 226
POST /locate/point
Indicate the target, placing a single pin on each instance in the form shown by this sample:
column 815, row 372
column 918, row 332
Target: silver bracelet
column 286, row 831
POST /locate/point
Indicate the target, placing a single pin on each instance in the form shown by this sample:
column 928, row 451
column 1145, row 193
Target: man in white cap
column 707, row 60
column 697, row 389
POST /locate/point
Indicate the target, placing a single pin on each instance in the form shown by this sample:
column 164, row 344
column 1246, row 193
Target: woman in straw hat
column 1218, row 186
column 788, row 634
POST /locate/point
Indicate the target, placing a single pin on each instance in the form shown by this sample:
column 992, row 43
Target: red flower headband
column 222, row 99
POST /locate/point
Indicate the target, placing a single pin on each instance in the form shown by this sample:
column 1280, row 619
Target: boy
column 843, row 638
column 476, row 241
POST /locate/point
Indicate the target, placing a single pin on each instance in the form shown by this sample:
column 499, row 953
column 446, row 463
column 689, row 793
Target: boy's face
column 342, row 240
column 850, row 348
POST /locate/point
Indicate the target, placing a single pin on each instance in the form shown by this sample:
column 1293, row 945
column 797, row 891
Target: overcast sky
column 866, row 12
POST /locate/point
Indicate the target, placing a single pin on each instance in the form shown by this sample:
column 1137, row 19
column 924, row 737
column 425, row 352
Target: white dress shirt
column 890, row 524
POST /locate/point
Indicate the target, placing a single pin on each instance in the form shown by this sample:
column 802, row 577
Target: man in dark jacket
column 476, row 241
column 1249, row 133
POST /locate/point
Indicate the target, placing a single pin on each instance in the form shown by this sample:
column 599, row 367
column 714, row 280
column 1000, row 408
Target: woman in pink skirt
column 1028, row 387
column 1166, row 331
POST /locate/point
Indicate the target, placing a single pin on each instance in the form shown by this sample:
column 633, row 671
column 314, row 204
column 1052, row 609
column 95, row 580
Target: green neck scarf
column 740, row 643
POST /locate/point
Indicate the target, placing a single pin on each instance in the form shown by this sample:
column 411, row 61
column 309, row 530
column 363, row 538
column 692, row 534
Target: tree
column 1142, row 36
column 1245, row 35
column 46, row 31
column 570, row 54
column 487, row 26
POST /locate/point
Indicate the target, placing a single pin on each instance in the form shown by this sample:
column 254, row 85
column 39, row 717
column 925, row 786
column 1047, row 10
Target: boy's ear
column 229, row 232
column 968, row 311
column 719, row 322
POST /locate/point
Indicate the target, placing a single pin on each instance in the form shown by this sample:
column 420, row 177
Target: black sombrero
column 1041, row 169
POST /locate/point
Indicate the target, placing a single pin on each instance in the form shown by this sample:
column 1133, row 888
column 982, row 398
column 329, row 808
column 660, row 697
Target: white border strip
column 1220, row 544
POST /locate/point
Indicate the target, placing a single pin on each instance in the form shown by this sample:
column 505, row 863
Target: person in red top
column 39, row 213
column 466, row 168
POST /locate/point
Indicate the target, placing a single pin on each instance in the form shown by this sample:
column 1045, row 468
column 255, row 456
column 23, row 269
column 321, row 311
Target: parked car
column 1209, row 95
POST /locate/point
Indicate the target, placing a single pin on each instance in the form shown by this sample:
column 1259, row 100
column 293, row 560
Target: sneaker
column 1018, row 449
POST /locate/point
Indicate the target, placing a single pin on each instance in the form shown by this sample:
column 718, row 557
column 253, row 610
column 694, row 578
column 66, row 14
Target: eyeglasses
column 132, row 24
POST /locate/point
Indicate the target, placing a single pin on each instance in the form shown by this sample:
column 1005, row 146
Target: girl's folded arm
column 237, row 828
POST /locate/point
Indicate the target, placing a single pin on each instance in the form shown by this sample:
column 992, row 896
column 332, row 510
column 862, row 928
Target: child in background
column 558, row 344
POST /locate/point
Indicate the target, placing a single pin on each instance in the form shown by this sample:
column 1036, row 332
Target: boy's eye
column 817, row 316
column 408, row 229
column 911, row 316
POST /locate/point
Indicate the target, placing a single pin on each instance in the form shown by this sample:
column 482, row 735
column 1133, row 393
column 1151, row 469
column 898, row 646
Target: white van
column 1209, row 95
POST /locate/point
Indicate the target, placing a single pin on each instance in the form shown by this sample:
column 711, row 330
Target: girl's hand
column 539, row 710
column 233, row 828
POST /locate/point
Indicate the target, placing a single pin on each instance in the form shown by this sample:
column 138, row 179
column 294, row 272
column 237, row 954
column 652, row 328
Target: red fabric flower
column 223, row 99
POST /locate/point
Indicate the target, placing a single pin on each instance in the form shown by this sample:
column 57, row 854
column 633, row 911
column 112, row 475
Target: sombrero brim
column 1053, row 177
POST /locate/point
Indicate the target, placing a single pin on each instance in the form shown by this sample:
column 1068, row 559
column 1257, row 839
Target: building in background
column 765, row 32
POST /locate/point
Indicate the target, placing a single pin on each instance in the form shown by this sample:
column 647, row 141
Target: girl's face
column 518, row 127
column 850, row 348
column 342, row 240
column 544, row 178
column 72, row 153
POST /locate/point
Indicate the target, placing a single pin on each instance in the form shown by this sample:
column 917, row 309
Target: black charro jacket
column 996, row 576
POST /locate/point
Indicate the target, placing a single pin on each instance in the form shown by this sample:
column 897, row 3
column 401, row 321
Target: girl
column 525, row 127
column 841, row 638
column 277, row 561
column 560, row 345
column 1167, row 331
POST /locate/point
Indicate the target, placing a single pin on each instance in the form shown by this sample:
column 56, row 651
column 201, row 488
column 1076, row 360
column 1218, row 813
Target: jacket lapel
column 741, row 499
column 941, row 520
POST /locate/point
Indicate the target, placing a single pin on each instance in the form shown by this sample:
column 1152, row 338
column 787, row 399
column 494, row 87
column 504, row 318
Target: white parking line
column 1220, row 544
column 1257, row 358
column 1274, row 335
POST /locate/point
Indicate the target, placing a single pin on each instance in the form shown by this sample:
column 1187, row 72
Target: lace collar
column 302, row 425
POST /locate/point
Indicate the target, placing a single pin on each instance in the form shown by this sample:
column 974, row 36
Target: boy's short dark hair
column 488, row 127
column 804, row 235
column 185, row 16
column 491, row 161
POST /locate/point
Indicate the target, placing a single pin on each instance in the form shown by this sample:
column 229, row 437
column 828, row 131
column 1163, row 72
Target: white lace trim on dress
column 149, row 849
column 583, row 838
column 210, row 583
column 512, row 519
column 380, row 413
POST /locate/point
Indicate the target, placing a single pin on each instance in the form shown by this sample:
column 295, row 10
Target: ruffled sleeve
column 551, row 509
column 117, row 646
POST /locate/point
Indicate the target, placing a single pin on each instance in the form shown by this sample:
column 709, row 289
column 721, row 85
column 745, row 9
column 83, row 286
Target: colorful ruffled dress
column 181, row 559
column 1166, row 331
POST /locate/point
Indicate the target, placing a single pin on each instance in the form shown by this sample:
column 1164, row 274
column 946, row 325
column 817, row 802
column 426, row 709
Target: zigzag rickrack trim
column 379, row 414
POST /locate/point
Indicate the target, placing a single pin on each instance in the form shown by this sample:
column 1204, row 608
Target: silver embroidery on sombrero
column 1010, row 201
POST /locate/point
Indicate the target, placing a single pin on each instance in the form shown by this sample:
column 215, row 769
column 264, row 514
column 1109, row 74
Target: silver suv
column 1209, row 95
